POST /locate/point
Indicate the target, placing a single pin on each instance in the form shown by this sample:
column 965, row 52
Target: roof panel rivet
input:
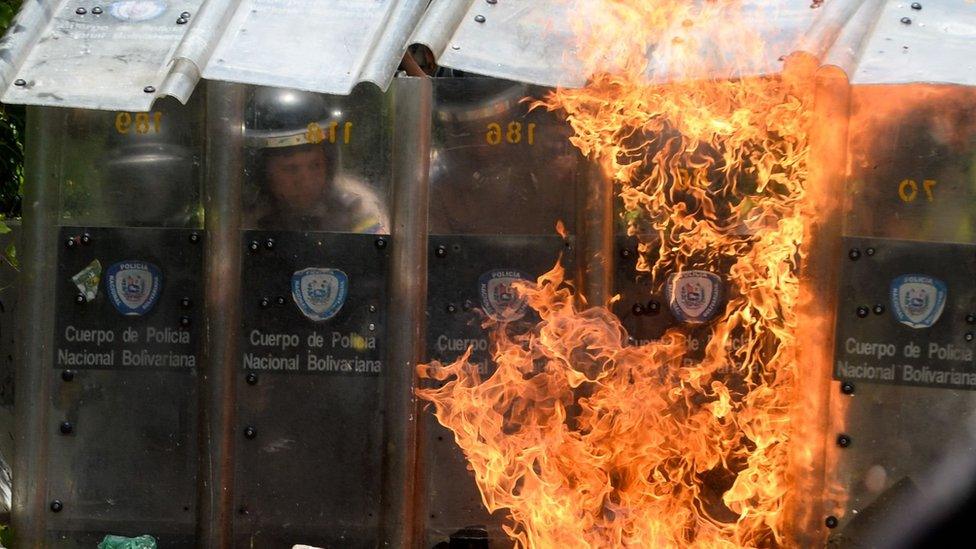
column 81, row 11
column 181, row 21
column 97, row 10
column 906, row 20
column 916, row 6
column 20, row 82
column 455, row 47
column 492, row 1
column 479, row 18
column 185, row 15
column 149, row 89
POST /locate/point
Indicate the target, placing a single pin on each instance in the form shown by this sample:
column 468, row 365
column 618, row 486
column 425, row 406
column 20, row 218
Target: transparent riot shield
column 502, row 177
column 900, row 451
column 315, row 264
column 112, row 339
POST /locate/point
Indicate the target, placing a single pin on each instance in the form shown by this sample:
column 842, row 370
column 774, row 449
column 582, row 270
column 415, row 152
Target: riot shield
column 502, row 176
column 903, row 407
column 315, row 254
column 112, row 339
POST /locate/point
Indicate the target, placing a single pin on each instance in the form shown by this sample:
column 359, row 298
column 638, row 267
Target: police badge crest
column 918, row 300
column 693, row 296
column 133, row 286
column 136, row 11
column 499, row 299
column 319, row 293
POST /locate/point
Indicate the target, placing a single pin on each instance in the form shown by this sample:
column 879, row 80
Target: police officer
column 300, row 183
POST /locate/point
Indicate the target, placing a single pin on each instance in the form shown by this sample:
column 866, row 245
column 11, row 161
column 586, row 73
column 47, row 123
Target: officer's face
column 296, row 177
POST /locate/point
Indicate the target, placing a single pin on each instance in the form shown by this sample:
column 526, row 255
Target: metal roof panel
column 108, row 60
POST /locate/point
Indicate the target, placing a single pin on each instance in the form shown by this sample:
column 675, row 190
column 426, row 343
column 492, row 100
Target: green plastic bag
column 119, row 542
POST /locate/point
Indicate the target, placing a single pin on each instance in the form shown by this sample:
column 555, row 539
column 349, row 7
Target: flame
column 589, row 441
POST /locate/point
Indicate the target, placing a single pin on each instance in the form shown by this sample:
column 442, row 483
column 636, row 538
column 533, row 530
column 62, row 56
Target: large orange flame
column 588, row 441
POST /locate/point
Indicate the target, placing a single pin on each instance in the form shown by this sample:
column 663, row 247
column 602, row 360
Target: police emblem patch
column 693, row 296
column 499, row 299
column 133, row 286
column 918, row 300
column 319, row 293
column 134, row 11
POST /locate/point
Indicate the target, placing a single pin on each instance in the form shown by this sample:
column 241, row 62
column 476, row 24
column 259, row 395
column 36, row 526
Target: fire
column 589, row 441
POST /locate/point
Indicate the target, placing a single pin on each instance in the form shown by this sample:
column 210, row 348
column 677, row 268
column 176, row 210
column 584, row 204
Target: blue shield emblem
column 319, row 293
column 693, row 296
column 135, row 11
column 133, row 286
column 918, row 300
column 499, row 299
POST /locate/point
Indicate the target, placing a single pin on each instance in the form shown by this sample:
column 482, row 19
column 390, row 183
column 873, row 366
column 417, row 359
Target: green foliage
column 11, row 137
column 11, row 161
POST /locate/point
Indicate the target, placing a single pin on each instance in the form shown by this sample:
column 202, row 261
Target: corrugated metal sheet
column 873, row 41
column 122, row 54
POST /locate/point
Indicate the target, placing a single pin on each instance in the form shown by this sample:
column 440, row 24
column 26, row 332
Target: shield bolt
column 843, row 441
column 250, row 432
column 185, row 321
column 847, row 388
column 637, row 309
column 86, row 239
column 653, row 307
column 80, row 299
column 440, row 251
column 831, row 522
column 269, row 243
column 869, row 251
column 68, row 375
column 624, row 253
column 70, row 242
column 57, row 506
column 66, row 427
column 280, row 300
column 251, row 378
column 451, row 308
column 971, row 318
column 879, row 309
column 194, row 237
column 265, row 302
column 371, row 308
column 468, row 305
column 186, row 303
column 854, row 254
column 254, row 246
column 969, row 336
column 862, row 312
column 380, row 243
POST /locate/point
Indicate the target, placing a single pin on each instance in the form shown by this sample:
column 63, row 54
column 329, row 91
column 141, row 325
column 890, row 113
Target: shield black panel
column 644, row 308
column 461, row 297
column 309, row 412
column 907, row 314
column 122, row 440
